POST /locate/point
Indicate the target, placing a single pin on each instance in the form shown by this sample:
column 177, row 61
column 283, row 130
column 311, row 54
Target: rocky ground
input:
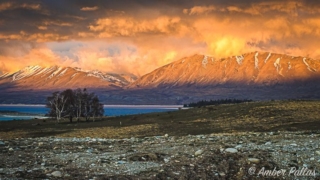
column 250, row 155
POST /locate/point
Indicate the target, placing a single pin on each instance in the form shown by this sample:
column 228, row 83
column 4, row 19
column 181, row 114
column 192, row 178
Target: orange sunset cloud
column 141, row 36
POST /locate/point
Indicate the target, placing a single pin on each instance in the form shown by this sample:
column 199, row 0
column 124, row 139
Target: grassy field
column 244, row 117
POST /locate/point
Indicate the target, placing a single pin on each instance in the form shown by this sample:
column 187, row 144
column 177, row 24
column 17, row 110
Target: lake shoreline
column 39, row 111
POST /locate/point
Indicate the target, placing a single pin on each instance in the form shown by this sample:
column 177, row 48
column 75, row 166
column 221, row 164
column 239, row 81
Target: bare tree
column 78, row 103
column 56, row 103
column 74, row 103
column 96, row 108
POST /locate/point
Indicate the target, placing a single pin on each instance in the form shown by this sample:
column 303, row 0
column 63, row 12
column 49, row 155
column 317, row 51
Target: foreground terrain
column 215, row 142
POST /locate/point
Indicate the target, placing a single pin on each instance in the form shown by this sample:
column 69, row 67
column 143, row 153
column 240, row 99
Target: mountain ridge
column 255, row 75
column 258, row 68
column 57, row 77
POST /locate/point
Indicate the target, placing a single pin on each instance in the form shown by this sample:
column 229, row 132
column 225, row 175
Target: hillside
column 55, row 77
column 258, row 68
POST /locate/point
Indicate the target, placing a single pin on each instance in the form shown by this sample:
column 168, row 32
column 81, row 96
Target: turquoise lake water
column 110, row 110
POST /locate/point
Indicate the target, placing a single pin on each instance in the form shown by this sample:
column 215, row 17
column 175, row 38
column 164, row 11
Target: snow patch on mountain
column 256, row 61
column 26, row 72
column 62, row 72
column 74, row 75
column 289, row 65
column 308, row 66
column 239, row 59
column 277, row 64
column 205, row 61
column 269, row 55
column 55, row 73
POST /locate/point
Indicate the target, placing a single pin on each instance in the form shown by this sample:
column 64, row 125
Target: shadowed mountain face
column 258, row 76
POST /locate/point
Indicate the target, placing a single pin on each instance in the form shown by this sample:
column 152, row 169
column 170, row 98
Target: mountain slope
column 55, row 77
column 258, row 68
column 257, row 76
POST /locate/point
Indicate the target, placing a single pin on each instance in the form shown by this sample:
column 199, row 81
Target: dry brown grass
column 255, row 116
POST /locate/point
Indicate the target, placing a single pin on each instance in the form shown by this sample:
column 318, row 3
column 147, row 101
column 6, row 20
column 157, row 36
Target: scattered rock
column 253, row 160
column 144, row 157
column 10, row 149
column 231, row 150
column 268, row 143
column 199, row 152
column 56, row 174
column 166, row 135
column 157, row 157
column 2, row 143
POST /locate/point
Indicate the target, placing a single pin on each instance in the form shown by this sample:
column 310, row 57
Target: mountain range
column 256, row 75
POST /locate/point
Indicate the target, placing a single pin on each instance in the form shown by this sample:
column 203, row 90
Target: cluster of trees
column 74, row 103
column 216, row 102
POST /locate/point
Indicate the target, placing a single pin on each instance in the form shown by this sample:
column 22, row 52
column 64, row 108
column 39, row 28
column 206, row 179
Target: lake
column 110, row 110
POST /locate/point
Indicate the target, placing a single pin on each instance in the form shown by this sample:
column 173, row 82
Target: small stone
column 43, row 164
column 2, row 143
column 312, row 159
column 199, row 152
column 166, row 135
column 121, row 162
column 318, row 152
column 166, row 160
column 231, row 150
column 294, row 144
column 191, row 165
column 40, row 143
column 89, row 150
column 254, row 160
column 238, row 146
column 222, row 173
column 268, row 143
column 56, row 174
column 10, row 149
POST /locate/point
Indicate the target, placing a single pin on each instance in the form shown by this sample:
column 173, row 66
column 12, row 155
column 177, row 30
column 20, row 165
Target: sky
column 138, row 36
